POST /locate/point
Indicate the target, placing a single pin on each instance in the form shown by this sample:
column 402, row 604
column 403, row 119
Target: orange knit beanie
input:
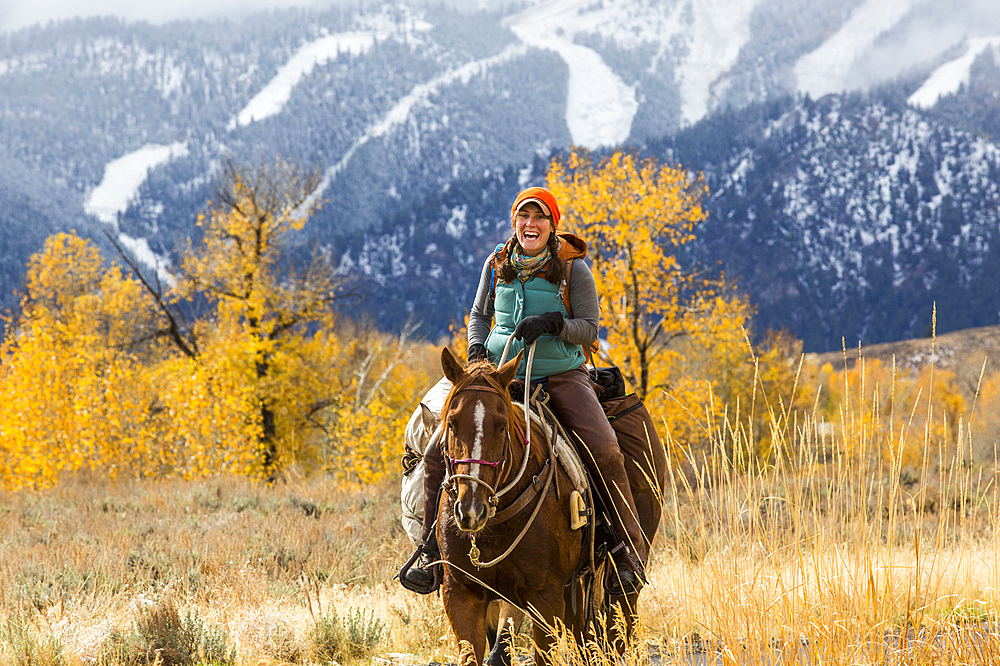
column 541, row 196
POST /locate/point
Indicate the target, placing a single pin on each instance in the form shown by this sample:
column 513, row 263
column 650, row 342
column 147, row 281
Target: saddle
column 645, row 457
column 581, row 504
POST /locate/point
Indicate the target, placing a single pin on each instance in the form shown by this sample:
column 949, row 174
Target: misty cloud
column 932, row 33
column 16, row 14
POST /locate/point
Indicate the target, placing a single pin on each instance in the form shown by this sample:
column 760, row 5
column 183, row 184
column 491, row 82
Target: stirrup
column 426, row 586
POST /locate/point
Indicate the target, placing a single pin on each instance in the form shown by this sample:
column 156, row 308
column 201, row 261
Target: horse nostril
column 469, row 517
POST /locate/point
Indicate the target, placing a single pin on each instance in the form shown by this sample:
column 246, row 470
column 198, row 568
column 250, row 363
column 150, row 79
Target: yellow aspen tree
column 209, row 407
column 724, row 386
column 679, row 337
column 241, row 267
column 384, row 378
column 71, row 390
column 102, row 370
column 634, row 214
column 894, row 411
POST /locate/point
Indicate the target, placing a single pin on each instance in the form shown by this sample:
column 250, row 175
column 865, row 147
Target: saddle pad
column 568, row 457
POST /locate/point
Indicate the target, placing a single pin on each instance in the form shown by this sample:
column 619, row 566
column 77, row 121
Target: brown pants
column 574, row 402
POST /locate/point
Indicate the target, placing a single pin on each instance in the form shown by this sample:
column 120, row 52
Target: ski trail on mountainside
column 720, row 28
column 121, row 182
column 949, row 77
column 273, row 97
column 599, row 105
column 825, row 69
column 702, row 37
column 402, row 109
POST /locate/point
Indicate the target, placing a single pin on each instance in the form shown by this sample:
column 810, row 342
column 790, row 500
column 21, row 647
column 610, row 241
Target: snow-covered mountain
column 851, row 216
column 406, row 106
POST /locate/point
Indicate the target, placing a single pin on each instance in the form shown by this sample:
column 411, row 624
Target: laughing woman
column 527, row 302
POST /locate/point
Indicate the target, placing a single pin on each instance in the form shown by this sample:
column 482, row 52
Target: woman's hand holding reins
column 477, row 352
column 531, row 328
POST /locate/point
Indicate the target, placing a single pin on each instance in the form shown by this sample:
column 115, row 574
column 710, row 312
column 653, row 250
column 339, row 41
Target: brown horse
column 484, row 450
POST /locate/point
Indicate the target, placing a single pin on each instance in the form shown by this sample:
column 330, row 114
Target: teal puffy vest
column 517, row 300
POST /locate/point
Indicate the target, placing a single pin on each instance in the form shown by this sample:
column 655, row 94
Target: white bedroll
column 416, row 437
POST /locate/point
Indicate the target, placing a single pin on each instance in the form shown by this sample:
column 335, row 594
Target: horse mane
column 485, row 372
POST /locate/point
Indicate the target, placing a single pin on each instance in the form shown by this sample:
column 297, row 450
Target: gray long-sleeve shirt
column 581, row 329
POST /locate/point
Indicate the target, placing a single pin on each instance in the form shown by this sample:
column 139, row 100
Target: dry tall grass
column 835, row 551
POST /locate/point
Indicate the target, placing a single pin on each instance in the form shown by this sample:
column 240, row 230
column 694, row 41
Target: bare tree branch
column 178, row 330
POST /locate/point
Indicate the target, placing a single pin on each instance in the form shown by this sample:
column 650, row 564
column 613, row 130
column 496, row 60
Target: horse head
column 479, row 419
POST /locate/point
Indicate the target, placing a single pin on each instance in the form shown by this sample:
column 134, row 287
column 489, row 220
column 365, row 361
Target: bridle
column 494, row 495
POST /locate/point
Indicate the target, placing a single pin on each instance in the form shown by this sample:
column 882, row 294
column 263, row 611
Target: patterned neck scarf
column 527, row 266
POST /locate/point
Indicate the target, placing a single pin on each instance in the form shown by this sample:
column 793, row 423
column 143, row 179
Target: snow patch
column 949, row 77
column 122, row 179
column 704, row 36
column 599, row 105
column 171, row 78
column 524, row 175
column 421, row 92
column 630, row 23
column 720, row 29
column 273, row 97
column 139, row 247
column 28, row 63
column 825, row 70
column 457, row 226
column 124, row 176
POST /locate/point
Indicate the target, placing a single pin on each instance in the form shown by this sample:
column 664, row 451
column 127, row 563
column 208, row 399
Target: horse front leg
column 466, row 610
column 622, row 613
column 509, row 618
column 543, row 627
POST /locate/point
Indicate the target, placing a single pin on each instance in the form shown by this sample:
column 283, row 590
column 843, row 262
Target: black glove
column 533, row 327
column 477, row 352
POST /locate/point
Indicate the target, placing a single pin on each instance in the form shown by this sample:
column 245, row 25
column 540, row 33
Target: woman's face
column 532, row 228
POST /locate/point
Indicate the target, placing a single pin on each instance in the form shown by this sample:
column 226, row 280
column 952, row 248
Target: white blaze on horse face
column 479, row 414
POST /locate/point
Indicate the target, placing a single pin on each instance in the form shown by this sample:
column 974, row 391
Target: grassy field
column 835, row 552
column 266, row 564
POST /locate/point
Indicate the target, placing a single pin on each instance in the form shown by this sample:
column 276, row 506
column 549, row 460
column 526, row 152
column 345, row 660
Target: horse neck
column 538, row 449
column 516, row 437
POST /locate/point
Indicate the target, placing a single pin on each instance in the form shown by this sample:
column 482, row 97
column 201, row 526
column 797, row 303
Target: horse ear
column 450, row 365
column 509, row 369
column 428, row 418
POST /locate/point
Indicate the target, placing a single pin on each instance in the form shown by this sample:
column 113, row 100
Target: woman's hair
column 505, row 270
